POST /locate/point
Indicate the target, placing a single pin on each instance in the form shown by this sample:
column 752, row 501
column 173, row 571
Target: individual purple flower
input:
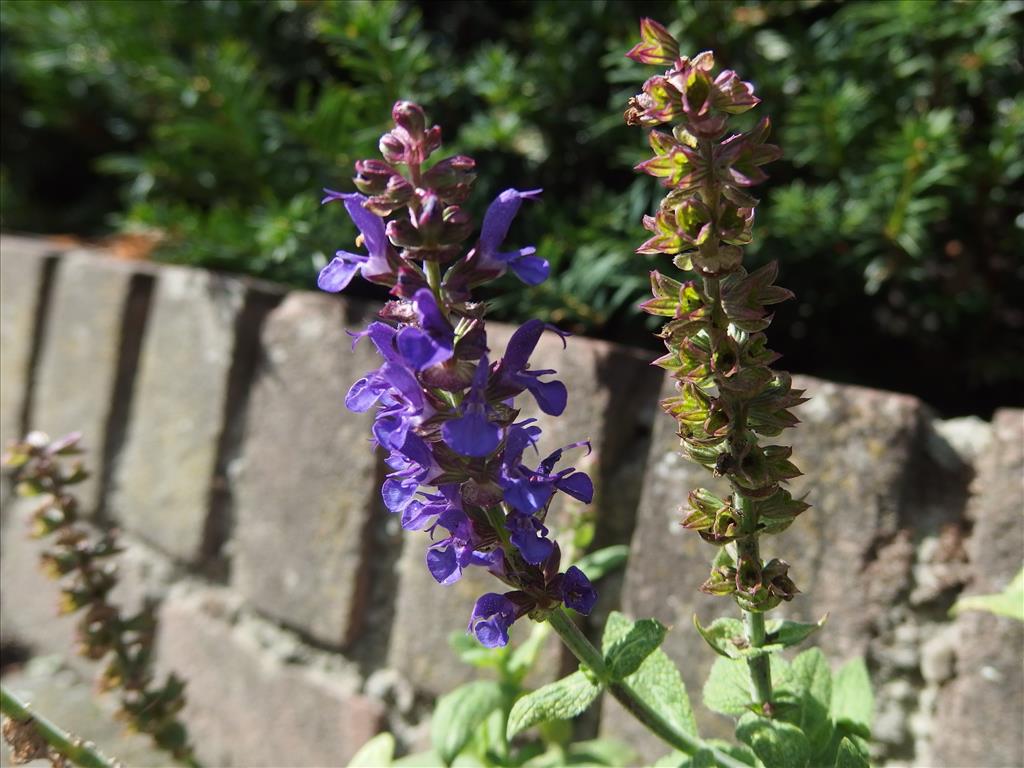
column 376, row 266
column 413, row 466
column 492, row 616
column 529, row 490
column 512, row 375
column 529, row 536
column 577, row 591
column 449, row 557
column 523, row 262
column 433, row 341
column 472, row 433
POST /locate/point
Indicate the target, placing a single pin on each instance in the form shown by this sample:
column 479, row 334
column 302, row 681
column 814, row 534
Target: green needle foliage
column 897, row 209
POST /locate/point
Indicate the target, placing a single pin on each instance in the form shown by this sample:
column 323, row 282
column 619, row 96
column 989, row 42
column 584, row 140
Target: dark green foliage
column 896, row 213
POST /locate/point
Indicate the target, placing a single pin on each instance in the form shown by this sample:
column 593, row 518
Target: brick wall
column 212, row 408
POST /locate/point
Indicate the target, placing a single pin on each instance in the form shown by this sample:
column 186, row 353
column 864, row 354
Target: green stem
column 76, row 750
column 653, row 720
column 747, row 546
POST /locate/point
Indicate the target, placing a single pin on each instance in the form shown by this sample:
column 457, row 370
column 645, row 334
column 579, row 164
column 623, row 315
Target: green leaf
column 811, row 681
column 853, row 702
column 600, row 752
column 776, row 743
column 525, row 655
column 725, row 636
column 1009, row 602
column 459, row 713
column 789, row 633
column 627, row 653
column 601, row 562
column 703, row 758
column 376, row 753
column 469, row 651
column 727, row 689
column 849, row 756
column 657, row 681
column 560, row 700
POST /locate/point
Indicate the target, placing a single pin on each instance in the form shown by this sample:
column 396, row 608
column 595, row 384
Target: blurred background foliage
column 896, row 213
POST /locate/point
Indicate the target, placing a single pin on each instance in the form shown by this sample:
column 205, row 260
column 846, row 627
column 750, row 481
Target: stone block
column 80, row 359
column 609, row 390
column 23, row 274
column 308, row 478
column 165, row 474
column 255, row 696
column 979, row 712
column 846, row 552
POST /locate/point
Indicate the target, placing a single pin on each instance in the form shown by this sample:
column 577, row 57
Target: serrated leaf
column 657, row 681
column 627, row 653
column 727, row 689
column 378, row 752
column 853, row 702
column 560, row 700
column 459, row 713
column 777, row 744
column 811, row 680
column 789, row 633
column 850, row 757
column 603, row 561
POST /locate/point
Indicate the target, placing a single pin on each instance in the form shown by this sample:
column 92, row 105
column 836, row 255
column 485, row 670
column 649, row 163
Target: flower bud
column 409, row 116
column 372, row 176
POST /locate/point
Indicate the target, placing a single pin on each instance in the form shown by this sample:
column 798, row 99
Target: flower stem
column 747, row 545
column 653, row 720
column 76, row 750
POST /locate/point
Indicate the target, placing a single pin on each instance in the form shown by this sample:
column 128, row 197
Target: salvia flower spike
column 458, row 453
column 727, row 397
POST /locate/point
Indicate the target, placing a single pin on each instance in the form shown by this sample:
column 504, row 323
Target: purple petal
column 471, row 434
column 417, row 516
column 364, row 393
column 499, row 218
column 370, row 225
column 432, row 320
column 551, row 396
column 528, row 537
column 578, row 485
column 527, row 495
column 577, row 591
column 420, row 349
column 492, row 616
column 339, row 273
column 443, row 565
column 532, row 270
column 521, row 345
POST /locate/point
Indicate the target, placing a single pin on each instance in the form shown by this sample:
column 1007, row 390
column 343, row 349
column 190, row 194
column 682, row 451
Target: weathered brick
column 163, row 479
column 854, row 446
column 80, row 357
column 979, row 712
column 255, row 696
column 23, row 265
column 308, row 478
column 605, row 383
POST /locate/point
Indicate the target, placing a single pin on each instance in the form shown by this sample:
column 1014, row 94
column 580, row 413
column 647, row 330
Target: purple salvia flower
column 523, row 262
column 472, row 434
column 528, row 535
column 577, row 591
column 512, row 376
column 376, row 265
column 433, row 341
column 492, row 616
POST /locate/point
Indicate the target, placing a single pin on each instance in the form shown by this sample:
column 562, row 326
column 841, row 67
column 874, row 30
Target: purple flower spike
column 577, row 591
column 472, row 434
column 492, row 615
column 343, row 267
column 528, row 267
column 434, row 341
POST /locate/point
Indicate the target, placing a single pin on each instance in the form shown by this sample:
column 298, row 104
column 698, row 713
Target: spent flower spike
column 445, row 413
column 727, row 395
